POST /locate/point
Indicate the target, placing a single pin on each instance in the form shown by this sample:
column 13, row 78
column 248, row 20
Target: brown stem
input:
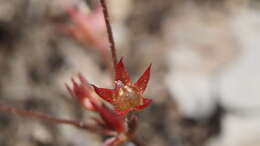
column 109, row 31
column 46, row 117
column 137, row 142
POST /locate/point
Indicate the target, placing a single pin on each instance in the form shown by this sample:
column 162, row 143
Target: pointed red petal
column 142, row 82
column 104, row 93
column 80, row 90
column 82, row 79
column 124, row 112
column 69, row 89
column 114, row 141
column 74, row 84
column 112, row 119
column 147, row 102
column 121, row 73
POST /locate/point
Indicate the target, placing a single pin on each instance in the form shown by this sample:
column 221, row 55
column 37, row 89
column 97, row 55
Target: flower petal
column 124, row 112
column 80, row 90
column 83, row 80
column 121, row 73
column 146, row 103
column 114, row 141
column 104, row 93
column 112, row 120
column 142, row 82
column 69, row 89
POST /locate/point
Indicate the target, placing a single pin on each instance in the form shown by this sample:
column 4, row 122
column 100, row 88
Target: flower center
column 127, row 97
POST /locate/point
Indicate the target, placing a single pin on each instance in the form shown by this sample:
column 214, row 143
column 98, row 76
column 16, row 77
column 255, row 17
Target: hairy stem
column 109, row 31
column 46, row 117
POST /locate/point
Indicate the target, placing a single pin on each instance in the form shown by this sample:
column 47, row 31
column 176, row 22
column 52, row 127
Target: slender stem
column 137, row 142
column 109, row 31
column 46, row 117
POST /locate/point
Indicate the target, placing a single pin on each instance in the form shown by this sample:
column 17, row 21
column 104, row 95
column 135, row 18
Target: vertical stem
column 109, row 32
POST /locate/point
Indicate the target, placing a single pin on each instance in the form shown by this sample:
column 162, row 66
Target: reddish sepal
column 113, row 120
column 104, row 93
column 142, row 82
column 121, row 73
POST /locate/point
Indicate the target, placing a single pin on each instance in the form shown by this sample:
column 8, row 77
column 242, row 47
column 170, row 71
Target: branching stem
column 46, row 117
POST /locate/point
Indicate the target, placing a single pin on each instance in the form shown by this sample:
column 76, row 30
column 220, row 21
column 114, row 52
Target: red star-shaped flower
column 126, row 96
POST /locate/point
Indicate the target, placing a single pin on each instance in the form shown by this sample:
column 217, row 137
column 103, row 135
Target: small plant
column 125, row 97
column 112, row 105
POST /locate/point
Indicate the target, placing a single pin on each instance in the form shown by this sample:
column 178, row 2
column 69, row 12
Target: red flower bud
column 88, row 98
column 126, row 96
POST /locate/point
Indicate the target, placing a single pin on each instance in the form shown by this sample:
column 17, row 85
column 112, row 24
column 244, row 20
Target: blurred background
column 205, row 80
